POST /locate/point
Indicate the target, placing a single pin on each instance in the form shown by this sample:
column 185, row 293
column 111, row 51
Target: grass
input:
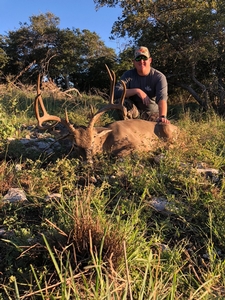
column 102, row 239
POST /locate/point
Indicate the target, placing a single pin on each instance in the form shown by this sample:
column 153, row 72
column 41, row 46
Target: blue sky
column 72, row 13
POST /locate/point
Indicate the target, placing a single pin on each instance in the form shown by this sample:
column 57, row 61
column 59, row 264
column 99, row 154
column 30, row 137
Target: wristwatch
column 160, row 118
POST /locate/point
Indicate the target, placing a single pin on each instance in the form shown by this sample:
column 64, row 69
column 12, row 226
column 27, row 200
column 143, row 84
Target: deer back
column 137, row 135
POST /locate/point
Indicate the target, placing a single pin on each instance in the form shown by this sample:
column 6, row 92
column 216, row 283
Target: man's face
column 142, row 64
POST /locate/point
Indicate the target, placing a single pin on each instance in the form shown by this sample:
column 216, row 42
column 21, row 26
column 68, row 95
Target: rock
column 14, row 195
column 209, row 173
column 159, row 158
column 159, row 203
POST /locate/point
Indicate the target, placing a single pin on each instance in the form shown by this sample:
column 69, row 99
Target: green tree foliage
column 69, row 55
column 3, row 56
column 82, row 58
column 31, row 44
column 186, row 39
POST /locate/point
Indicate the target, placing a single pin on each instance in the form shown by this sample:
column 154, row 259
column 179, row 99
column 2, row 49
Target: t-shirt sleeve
column 161, row 91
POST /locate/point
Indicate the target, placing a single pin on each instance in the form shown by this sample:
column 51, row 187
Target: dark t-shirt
column 154, row 85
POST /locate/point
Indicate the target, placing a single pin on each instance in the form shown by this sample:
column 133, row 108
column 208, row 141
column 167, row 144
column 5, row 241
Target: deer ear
column 103, row 131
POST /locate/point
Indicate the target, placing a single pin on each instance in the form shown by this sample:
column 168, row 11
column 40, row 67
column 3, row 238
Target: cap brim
column 141, row 55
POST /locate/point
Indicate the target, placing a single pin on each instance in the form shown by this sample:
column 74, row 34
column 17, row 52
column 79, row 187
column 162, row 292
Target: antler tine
column 112, row 77
column 45, row 117
column 111, row 105
column 122, row 98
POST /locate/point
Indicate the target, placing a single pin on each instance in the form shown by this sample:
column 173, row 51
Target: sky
column 72, row 14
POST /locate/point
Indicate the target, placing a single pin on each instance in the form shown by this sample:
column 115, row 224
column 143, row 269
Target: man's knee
column 132, row 111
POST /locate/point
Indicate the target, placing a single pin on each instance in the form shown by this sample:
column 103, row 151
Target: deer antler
column 45, row 116
column 111, row 104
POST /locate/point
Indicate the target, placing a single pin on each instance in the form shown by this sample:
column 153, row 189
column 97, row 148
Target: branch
column 24, row 70
column 193, row 93
column 70, row 90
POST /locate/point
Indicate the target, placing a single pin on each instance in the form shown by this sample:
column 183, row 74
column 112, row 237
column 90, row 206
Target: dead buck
column 119, row 138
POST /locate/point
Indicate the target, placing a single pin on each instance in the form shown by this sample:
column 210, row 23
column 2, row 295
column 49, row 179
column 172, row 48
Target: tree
column 186, row 39
column 81, row 59
column 71, row 55
column 3, row 56
column 91, row 57
column 31, row 43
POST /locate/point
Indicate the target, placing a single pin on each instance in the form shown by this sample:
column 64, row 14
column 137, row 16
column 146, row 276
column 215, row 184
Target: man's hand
column 142, row 95
column 146, row 101
column 163, row 119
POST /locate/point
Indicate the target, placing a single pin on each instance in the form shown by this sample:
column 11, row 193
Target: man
column 147, row 89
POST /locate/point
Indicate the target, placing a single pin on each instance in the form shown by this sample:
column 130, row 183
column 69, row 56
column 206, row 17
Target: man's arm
column 141, row 94
column 163, row 111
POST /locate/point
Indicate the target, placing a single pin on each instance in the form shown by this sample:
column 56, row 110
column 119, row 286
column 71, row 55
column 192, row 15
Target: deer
column 119, row 138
